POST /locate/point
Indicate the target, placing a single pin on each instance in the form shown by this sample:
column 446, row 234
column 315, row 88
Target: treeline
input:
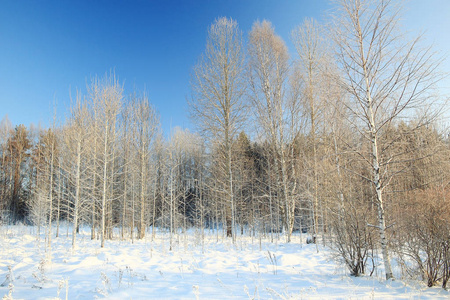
column 340, row 142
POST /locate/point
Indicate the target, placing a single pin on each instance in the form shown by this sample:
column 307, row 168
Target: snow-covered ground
column 215, row 270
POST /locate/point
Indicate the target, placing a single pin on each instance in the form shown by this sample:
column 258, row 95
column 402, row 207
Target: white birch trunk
column 77, row 194
column 105, row 177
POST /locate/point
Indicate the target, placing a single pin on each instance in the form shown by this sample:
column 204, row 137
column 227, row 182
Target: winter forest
column 339, row 152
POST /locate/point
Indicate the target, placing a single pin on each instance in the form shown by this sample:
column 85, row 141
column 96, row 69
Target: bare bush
column 354, row 238
column 424, row 236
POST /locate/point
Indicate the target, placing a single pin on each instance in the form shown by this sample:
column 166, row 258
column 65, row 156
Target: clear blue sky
column 51, row 48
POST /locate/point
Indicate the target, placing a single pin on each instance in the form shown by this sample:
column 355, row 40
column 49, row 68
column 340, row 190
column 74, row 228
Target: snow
column 147, row 269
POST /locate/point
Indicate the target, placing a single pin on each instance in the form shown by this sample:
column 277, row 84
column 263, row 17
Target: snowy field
column 213, row 270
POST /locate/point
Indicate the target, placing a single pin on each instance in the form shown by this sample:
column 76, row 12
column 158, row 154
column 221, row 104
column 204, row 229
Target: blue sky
column 49, row 49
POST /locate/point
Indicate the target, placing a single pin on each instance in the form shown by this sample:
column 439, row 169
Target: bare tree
column 126, row 155
column 386, row 79
column 76, row 137
column 312, row 63
column 19, row 146
column 269, row 70
column 5, row 166
column 144, row 126
column 106, row 96
column 217, row 106
column 50, row 156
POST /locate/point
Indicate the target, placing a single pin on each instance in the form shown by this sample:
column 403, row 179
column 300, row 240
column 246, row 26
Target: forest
column 342, row 140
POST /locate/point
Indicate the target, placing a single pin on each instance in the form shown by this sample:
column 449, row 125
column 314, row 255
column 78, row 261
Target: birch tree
column 107, row 96
column 269, row 70
column 145, row 124
column 217, row 106
column 311, row 64
column 50, row 155
column 386, row 78
column 76, row 136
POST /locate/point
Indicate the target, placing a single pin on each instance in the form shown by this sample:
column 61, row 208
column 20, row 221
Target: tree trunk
column 77, row 195
column 105, row 168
